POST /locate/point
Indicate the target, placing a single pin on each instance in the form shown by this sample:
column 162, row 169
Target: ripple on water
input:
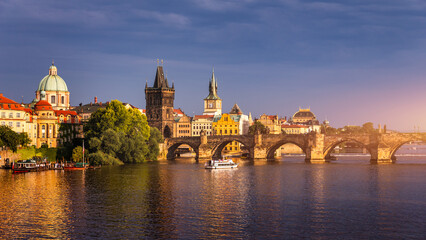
column 282, row 199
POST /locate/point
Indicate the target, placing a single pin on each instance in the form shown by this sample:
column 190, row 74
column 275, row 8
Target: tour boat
column 220, row 164
column 76, row 166
column 25, row 166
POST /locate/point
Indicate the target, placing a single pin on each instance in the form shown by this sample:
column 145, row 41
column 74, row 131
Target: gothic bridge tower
column 212, row 103
column 159, row 104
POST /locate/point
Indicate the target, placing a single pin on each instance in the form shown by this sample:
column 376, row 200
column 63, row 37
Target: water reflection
column 181, row 199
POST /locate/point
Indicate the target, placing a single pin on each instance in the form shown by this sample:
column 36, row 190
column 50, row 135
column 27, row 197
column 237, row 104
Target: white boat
column 220, row 164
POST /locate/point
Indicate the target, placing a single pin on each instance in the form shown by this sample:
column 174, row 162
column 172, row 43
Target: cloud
column 222, row 5
column 44, row 12
column 171, row 19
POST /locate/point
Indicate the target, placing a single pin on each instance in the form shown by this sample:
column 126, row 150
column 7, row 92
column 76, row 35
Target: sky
column 351, row 62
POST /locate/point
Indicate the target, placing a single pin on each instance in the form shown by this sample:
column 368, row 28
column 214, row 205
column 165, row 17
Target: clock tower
column 212, row 103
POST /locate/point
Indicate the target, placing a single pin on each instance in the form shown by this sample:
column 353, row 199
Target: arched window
column 63, row 99
column 52, row 99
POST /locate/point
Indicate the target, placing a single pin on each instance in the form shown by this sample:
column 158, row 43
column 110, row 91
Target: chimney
column 96, row 100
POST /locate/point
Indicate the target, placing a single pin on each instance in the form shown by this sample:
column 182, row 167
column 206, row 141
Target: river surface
column 286, row 199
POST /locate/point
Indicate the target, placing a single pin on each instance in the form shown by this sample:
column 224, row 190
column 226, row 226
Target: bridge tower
column 159, row 104
column 212, row 103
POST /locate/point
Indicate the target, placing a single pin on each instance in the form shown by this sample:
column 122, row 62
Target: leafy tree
column 118, row 135
column 154, row 139
column 9, row 138
column 368, row 127
column 258, row 127
column 24, row 140
column 77, row 154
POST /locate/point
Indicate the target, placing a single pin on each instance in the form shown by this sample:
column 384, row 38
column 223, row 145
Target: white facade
column 200, row 123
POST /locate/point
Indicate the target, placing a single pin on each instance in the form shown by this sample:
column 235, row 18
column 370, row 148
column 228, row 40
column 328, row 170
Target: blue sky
column 350, row 61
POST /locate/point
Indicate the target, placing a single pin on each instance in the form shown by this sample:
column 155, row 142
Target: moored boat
column 76, row 166
column 220, row 164
column 29, row 165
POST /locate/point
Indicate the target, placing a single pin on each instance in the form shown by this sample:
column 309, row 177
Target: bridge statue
column 316, row 146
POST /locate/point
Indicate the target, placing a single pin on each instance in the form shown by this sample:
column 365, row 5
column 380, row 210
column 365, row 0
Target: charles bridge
column 316, row 146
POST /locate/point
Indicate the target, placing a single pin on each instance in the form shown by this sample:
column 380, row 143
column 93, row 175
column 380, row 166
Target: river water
column 286, row 199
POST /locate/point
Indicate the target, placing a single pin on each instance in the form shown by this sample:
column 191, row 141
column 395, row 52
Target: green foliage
column 154, row 139
column 118, row 135
column 101, row 158
column 24, row 140
column 27, row 153
column 49, row 153
column 258, row 127
column 9, row 138
column 366, row 128
column 77, row 154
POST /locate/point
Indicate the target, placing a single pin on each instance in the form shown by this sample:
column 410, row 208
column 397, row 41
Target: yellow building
column 227, row 125
column 271, row 122
column 182, row 126
column 295, row 129
column 12, row 114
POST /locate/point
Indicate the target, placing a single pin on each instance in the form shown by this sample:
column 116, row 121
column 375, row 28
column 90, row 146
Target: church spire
column 213, row 88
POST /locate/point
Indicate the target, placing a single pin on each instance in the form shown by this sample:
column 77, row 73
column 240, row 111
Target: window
column 10, row 124
column 3, row 123
column 52, row 99
column 10, row 115
column 63, row 100
column 3, row 115
column 235, row 131
column 226, row 131
column 18, row 115
column 18, row 124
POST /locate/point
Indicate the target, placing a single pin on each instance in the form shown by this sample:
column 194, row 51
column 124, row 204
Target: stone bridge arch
column 364, row 141
column 402, row 141
column 300, row 142
column 218, row 146
column 173, row 145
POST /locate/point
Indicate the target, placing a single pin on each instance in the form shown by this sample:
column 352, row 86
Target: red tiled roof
column 43, row 105
column 178, row 111
column 6, row 100
column 65, row 112
column 9, row 104
column 203, row 116
column 28, row 110
column 294, row 126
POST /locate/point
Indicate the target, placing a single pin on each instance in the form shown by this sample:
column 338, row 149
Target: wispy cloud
column 222, row 5
column 171, row 19
column 44, row 12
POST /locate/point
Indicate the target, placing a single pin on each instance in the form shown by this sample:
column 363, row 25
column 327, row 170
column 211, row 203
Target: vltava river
column 287, row 199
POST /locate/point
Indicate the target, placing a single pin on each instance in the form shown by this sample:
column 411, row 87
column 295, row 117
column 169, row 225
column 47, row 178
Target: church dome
column 52, row 82
column 304, row 113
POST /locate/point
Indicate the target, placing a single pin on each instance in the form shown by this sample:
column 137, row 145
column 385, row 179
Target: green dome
column 52, row 82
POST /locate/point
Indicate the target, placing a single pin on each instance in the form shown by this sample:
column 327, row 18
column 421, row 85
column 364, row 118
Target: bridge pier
column 315, row 150
column 382, row 155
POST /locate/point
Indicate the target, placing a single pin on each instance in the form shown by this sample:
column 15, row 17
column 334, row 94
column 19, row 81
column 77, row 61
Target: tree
column 368, row 127
column 9, row 138
column 23, row 139
column 77, row 154
column 258, row 127
column 118, row 135
column 154, row 139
